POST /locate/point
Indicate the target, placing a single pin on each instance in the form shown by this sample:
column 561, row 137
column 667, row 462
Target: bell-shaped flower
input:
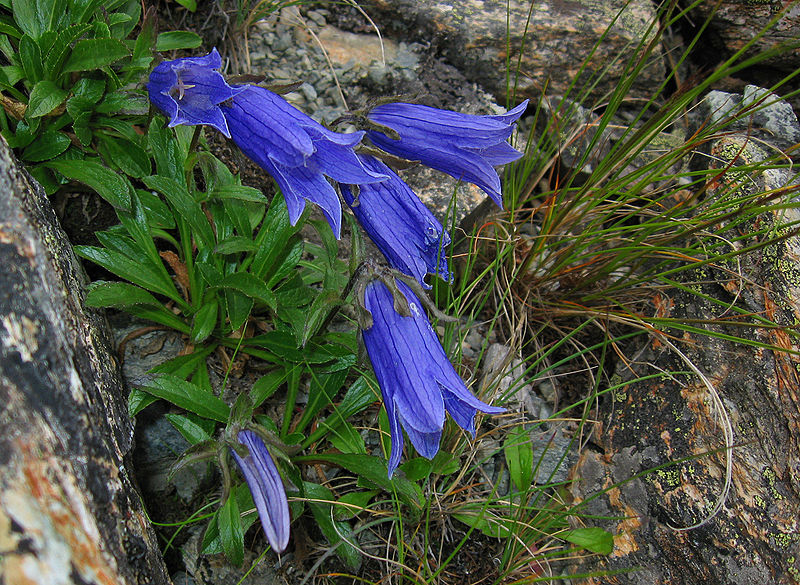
column 266, row 487
column 417, row 380
column 190, row 90
column 410, row 237
column 297, row 151
column 465, row 146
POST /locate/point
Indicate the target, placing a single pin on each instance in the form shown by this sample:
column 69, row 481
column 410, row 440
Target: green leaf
column 130, row 158
column 266, row 386
column 185, row 206
column 178, row 39
column 235, row 245
column 339, row 534
column 591, row 538
column 60, row 48
column 444, row 463
column 251, row 286
column 45, row 97
column 188, row 396
column 238, row 306
column 352, row 504
column 272, row 238
column 230, row 531
column 519, row 457
column 31, row 58
column 166, row 151
column 239, row 192
column 119, row 295
column 138, row 401
column 48, row 145
column 212, row 544
column 158, row 213
column 112, row 187
column 30, row 16
column 416, row 469
column 347, row 439
column 193, row 428
column 323, row 305
column 190, row 5
column 487, row 522
column 372, row 470
column 204, row 321
column 130, row 269
column 358, row 397
column 90, row 54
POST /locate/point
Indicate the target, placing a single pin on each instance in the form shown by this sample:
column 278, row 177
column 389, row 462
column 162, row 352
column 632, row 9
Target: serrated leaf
column 45, row 97
column 591, row 538
column 91, row 54
column 30, row 17
column 178, row 39
column 188, row 396
column 158, row 213
column 112, row 187
column 347, row 439
column 185, row 206
column 445, row 463
column 416, row 469
column 212, row 544
column 60, row 48
column 239, row 192
column 231, row 534
column 48, row 145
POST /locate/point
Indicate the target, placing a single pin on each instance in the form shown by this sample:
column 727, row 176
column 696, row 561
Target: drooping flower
column 297, row 151
column 465, row 146
column 405, row 231
column 417, row 381
column 190, row 90
column 266, row 487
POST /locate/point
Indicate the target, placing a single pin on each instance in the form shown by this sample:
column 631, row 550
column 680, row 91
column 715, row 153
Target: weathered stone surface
column 735, row 23
column 670, row 421
column 68, row 510
column 560, row 35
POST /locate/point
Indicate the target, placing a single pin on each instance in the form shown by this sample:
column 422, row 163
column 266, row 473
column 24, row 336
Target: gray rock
column 560, row 36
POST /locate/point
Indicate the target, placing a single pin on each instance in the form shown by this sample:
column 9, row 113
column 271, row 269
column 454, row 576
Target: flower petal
column 465, row 146
column 410, row 237
column 266, row 487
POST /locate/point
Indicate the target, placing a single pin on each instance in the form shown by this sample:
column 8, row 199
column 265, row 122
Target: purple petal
column 410, row 237
column 189, row 91
column 465, row 146
column 296, row 150
column 266, row 487
column 416, row 378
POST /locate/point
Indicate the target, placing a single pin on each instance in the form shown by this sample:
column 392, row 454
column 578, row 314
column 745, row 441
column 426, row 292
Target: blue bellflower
column 266, row 486
column 405, row 231
column 190, row 90
column 417, row 380
column 297, row 151
column 465, row 146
